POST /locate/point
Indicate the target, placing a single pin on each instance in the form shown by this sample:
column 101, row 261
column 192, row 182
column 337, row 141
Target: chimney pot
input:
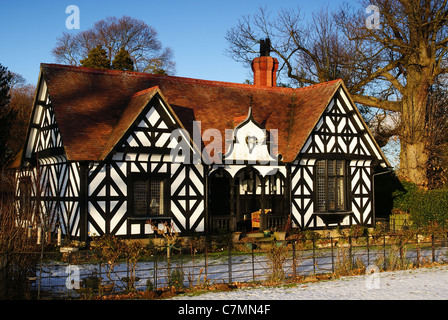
column 265, row 67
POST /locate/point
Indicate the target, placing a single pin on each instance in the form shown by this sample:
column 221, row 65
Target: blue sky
column 195, row 30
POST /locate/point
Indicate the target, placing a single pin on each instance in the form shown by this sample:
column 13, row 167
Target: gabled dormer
column 251, row 143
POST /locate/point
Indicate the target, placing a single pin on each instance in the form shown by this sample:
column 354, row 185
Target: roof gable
column 341, row 130
column 251, row 142
column 139, row 117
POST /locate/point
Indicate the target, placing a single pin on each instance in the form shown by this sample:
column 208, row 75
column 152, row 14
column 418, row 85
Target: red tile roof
column 94, row 108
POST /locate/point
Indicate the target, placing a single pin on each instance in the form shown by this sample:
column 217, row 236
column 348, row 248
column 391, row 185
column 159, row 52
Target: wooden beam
column 47, row 153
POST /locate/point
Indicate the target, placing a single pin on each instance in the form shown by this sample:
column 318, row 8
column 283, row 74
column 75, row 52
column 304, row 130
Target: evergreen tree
column 97, row 58
column 123, row 61
column 7, row 115
column 5, row 86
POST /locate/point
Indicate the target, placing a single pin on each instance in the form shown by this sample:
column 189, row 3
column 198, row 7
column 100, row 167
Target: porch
column 231, row 223
column 247, row 201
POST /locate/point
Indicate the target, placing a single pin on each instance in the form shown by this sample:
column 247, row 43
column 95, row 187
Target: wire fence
column 79, row 274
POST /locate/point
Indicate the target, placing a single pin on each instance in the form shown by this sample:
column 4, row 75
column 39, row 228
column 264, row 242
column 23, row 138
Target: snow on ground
column 414, row 284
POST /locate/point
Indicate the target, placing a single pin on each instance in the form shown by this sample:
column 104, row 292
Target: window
column 25, row 195
column 330, row 185
column 149, row 197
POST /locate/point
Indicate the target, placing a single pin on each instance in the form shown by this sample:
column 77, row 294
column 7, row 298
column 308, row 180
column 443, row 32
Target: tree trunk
column 413, row 136
column 413, row 161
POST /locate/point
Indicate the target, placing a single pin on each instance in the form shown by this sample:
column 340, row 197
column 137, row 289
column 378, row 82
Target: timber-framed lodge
column 110, row 150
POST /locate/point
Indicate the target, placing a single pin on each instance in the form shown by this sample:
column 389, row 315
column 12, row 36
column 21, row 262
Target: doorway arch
column 220, row 185
column 221, row 204
column 258, row 193
column 233, row 200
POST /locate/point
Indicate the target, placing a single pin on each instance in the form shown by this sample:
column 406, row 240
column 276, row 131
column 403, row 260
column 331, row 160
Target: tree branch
column 377, row 103
column 381, row 72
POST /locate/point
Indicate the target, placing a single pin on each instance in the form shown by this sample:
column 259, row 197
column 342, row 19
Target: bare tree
column 309, row 51
column 22, row 96
column 437, row 136
column 113, row 34
column 19, row 218
column 413, row 35
column 391, row 67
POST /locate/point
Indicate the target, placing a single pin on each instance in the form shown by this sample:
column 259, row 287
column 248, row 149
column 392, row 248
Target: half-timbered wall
column 60, row 189
column 107, row 198
column 56, row 185
column 361, row 191
column 25, row 193
column 302, row 192
column 144, row 151
column 339, row 134
column 55, row 181
column 44, row 134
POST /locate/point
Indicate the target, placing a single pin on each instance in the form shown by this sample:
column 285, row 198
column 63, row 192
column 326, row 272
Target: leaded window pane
column 149, row 197
column 330, row 185
column 321, row 168
column 321, row 194
column 340, row 194
column 157, row 189
column 331, row 192
column 140, row 197
column 340, row 168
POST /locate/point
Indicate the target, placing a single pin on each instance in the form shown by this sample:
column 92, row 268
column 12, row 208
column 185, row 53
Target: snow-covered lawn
column 419, row 284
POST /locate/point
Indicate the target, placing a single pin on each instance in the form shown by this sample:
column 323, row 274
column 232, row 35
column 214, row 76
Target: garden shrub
column 429, row 206
column 402, row 197
column 276, row 253
column 176, row 279
column 424, row 206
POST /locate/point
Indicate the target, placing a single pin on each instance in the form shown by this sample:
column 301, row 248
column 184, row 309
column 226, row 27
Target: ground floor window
column 25, row 195
column 149, row 197
column 331, row 177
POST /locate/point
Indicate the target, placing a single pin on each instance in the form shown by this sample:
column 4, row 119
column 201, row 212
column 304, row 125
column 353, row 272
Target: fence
column 74, row 275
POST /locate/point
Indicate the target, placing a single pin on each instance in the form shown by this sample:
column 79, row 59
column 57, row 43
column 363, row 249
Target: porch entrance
column 221, row 205
column 236, row 203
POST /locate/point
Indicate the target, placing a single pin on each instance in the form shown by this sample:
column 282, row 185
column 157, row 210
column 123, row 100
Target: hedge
column 424, row 206
column 402, row 196
column 428, row 206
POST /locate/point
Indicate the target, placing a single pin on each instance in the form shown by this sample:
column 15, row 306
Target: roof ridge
column 185, row 79
column 145, row 91
column 326, row 83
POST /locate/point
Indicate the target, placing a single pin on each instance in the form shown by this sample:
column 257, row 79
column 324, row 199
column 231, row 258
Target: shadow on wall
column 387, row 186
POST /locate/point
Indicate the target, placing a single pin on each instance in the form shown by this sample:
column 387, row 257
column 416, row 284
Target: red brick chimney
column 265, row 67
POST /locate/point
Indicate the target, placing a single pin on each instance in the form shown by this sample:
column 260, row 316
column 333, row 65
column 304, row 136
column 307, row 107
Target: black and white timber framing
column 339, row 135
column 93, row 198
